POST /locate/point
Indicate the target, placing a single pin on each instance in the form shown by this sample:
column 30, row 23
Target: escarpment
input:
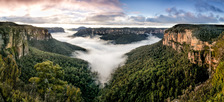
column 121, row 35
column 197, row 39
column 14, row 38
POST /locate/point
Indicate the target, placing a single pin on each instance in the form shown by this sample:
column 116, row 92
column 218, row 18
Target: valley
column 109, row 55
column 111, row 50
column 185, row 65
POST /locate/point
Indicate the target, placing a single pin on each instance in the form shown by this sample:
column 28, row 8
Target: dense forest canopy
column 153, row 73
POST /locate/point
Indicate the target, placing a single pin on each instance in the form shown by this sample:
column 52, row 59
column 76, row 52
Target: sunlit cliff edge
column 196, row 39
column 14, row 38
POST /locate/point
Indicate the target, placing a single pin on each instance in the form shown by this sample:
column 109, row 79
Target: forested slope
column 28, row 74
column 76, row 71
column 55, row 46
column 153, row 73
column 212, row 89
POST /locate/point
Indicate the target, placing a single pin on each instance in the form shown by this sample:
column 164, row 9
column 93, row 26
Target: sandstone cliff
column 14, row 38
column 185, row 37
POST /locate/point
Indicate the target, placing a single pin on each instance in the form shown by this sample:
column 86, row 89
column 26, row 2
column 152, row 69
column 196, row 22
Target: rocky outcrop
column 199, row 52
column 171, row 38
column 14, row 38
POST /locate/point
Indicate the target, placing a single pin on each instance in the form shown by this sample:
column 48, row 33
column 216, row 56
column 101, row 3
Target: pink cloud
column 73, row 10
column 85, row 5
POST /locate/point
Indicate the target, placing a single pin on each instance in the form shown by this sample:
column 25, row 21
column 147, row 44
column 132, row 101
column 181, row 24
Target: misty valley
column 181, row 63
column 111, row 50
column 103, row 56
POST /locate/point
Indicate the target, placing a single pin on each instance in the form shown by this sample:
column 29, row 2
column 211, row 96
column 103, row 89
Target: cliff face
column 14, row 38
column 200, row 52
column 171, row 38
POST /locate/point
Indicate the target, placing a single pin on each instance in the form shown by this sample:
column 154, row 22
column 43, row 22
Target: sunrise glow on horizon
column 112, row 13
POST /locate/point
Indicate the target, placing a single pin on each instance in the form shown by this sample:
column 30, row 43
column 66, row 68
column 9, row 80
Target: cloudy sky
column 113, row 12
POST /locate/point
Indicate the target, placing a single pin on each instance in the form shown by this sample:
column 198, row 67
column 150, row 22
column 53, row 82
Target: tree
column 9, row 71
column 49, row 78
column 218, row 78
column 73, row 94
column 50, row 84
column 9, row 77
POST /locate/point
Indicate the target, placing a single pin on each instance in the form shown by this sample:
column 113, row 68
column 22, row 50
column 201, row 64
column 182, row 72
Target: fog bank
column 102, row 56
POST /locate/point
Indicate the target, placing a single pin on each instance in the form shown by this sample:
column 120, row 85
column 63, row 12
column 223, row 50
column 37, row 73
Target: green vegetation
column 55, row 46
column 76, row 71
column 124, row 38
column 15, row 38
column 219, row 47
column 8, row 24
column 48, row 81
column 208, row 33
column 218, row 84
column 75, row 83
column 212, row 89
column 121, row 35
column 153, row 73
column 12, row 89
column 46, row 87
column 9, row 71
column 5, row 36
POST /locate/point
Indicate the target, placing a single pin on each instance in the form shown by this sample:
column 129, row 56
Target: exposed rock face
column 199, row 51
column 171, row 38
column 15, row 37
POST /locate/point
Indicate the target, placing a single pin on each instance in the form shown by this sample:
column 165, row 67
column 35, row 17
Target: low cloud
column 101, row 12
column 67, row 11
column 103, row 58
column 82, row 5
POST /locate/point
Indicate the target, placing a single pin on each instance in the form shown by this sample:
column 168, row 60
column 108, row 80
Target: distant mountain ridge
column 55, row 30
column 77, row 29
column 121, row 35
